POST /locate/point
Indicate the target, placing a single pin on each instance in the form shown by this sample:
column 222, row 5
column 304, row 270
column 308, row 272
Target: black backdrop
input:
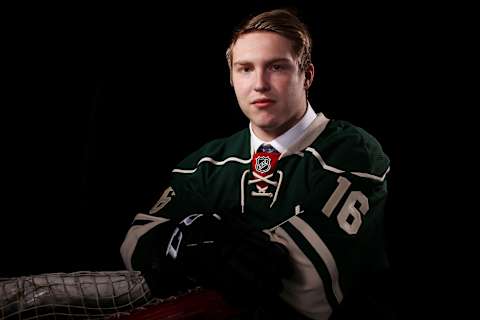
column 102, row 102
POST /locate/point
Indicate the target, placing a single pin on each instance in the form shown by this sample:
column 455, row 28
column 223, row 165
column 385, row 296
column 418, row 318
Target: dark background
column 102, row 102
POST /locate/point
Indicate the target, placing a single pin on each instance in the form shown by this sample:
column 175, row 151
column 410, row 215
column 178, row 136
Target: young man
column 285, row 216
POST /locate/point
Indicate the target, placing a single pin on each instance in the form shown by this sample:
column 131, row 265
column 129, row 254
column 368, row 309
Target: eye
column 244, row 69
column 277, row 67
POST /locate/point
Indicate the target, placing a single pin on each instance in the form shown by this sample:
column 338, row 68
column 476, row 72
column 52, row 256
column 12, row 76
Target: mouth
column 264, row 102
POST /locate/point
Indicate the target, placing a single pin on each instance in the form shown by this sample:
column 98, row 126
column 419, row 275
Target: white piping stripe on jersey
column 320, row 247
column 333, row 169
column 305, row 290
column 149, row 217
column 215, row 162
column 134, row 233
column 371, row 176
column 322, row 162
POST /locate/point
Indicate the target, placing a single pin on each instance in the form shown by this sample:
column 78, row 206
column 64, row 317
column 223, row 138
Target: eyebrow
column 245, row 62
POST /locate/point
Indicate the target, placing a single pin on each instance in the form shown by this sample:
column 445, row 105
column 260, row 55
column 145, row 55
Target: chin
column 266, row 121
column 267, row 127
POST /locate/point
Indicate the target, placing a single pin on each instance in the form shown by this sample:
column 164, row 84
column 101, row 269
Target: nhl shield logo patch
column 263, row 164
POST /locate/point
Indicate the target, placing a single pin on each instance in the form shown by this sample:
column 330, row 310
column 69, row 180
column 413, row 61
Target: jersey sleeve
column 337, row 234
column 148, row 234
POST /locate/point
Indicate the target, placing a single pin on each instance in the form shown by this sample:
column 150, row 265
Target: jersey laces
column 261, row 191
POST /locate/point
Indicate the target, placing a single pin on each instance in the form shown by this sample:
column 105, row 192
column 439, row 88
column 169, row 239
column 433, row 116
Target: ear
column 309, row 73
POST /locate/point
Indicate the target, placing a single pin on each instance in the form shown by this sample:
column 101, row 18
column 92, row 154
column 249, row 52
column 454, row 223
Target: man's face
column 269, row 87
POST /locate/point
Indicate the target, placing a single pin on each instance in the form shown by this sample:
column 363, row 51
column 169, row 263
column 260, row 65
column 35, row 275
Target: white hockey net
column 78, row 295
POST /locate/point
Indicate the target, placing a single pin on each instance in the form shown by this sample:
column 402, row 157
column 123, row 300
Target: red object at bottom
column 198, row 305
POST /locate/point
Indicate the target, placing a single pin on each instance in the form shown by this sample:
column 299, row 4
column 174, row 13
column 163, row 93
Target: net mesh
column 77, row 295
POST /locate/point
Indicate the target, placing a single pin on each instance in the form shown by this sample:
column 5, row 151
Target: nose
column 261, row 82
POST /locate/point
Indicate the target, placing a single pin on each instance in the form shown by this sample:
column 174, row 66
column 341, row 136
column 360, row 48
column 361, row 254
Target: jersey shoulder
column 237, row 145
column 351, row 148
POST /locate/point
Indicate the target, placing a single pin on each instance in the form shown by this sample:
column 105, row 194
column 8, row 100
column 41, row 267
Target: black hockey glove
column 226, row 253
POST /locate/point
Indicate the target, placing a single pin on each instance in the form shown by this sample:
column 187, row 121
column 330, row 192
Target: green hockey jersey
column 324, row 201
